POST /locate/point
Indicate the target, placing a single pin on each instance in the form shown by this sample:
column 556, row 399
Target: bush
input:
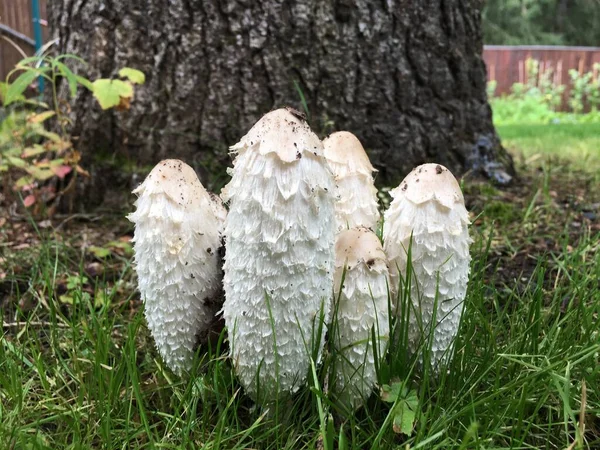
column 537, row 101
column 39, row 162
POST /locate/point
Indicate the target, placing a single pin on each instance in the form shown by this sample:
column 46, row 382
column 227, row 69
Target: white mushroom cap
column 427, row 182
column 177, row 180
column 356, row 195
column 346, row 155
column 281, row 132
column 359, row 246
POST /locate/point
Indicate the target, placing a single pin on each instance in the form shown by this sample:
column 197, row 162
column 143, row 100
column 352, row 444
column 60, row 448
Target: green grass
column 84, row 373
column 577, row 143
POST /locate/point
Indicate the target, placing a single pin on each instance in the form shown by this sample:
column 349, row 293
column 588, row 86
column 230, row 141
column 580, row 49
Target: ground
column 78, row 368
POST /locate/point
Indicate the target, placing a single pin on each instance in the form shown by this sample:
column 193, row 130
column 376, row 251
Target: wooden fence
column 16, row 32
column 507, row 64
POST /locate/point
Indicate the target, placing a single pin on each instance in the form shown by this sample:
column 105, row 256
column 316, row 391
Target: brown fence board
column 507, row 64
column 16, row 14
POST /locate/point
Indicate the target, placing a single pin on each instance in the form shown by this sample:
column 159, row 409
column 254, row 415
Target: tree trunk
column 406, row 77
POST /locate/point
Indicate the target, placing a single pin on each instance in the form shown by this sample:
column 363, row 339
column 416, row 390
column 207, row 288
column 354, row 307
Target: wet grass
column 578, row 143
column 78, row 368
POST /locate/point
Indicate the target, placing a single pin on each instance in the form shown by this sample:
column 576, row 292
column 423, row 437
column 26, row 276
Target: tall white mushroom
column 176, row 243
column 279, row 262
column 361, row 308
column 429, row 206
column 356, row 202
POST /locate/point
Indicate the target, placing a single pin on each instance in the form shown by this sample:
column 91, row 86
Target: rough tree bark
column 406, row 76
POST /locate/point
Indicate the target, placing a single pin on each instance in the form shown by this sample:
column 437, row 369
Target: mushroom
column 279, row 263
column 361, row 308
column 356, row 203
column 428, row 206
column 176, row 243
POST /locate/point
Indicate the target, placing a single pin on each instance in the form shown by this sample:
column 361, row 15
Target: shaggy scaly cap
column 279, row 262
column 176, row 245
column 362, row 306
column 356, row 202
column 430, row 205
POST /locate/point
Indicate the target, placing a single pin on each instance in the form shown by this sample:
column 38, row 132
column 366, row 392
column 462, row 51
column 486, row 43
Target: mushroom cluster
column 303, row 265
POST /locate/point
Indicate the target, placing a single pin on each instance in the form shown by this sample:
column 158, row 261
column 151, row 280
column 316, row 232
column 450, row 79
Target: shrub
column 38, row 160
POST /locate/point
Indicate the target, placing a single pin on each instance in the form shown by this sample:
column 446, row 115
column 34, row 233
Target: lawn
column 578, row 143
column 78, row 368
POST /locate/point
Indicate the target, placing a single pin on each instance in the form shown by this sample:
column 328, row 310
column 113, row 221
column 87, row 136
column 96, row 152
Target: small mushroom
column 356, row 204
column 279, row 263
column 179, row 281
column 433, row 212
column 361, row 307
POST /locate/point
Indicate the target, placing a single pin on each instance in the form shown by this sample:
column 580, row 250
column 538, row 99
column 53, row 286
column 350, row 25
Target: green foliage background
column 543, row 22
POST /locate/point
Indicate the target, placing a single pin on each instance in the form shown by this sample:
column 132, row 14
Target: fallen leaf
column 29, row 200
column 99, row 252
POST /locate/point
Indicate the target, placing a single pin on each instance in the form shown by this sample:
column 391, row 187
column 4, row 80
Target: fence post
column 37, row 34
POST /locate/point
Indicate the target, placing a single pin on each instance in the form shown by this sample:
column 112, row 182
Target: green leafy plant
column 405, row 406
column 579, row 90
column 37, row 154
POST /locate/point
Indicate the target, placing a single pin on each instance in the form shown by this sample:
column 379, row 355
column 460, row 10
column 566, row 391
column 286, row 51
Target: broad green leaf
column 50, row 135
column 36, row 149
column 99, row 252
column 70, row 76
column 405, row 406
column 389, row 394
column 56, row 162
column 17, row 162
column 74, row 281
column 40, row 173
column 66, row 299
column 109, row 92
column 101, row 299
column 13, row 151
column 133, row 75
column 25, row 180
column 405, row 413
column 404, row 418
column 16, row 88
column 39, row 118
